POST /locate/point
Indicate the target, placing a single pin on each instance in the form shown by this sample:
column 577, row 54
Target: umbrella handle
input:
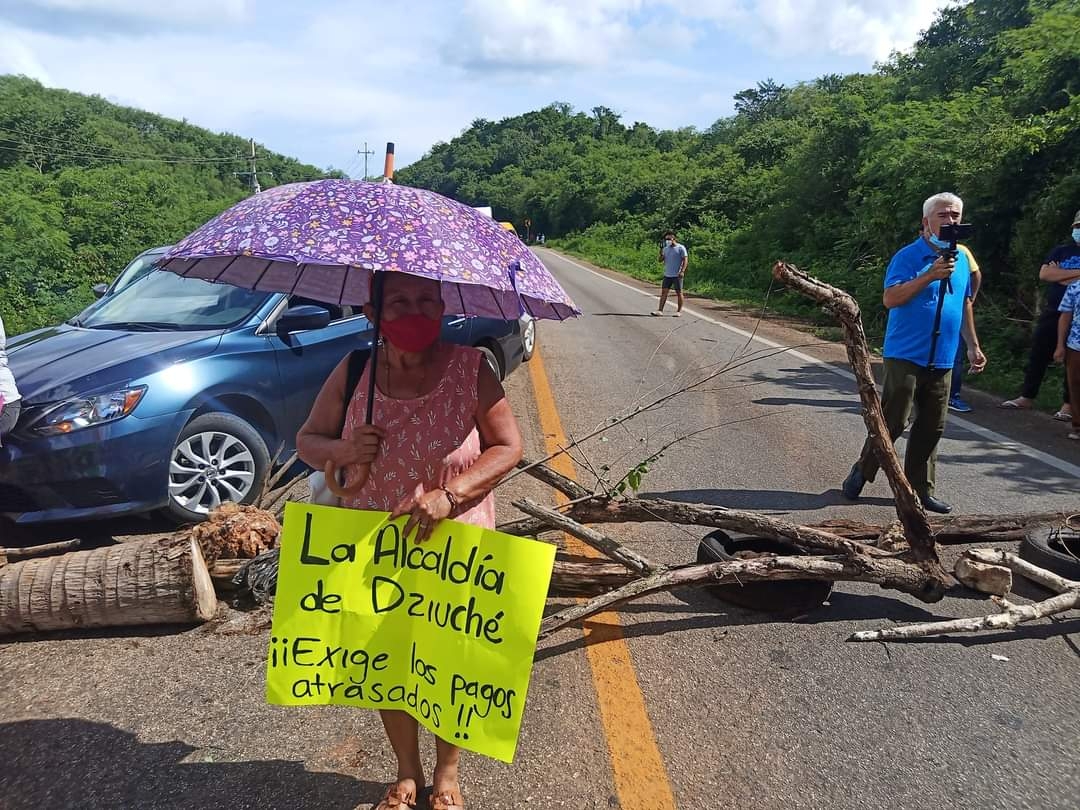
column 332, row 484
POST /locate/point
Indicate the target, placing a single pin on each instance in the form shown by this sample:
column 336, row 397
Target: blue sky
column 317, row 79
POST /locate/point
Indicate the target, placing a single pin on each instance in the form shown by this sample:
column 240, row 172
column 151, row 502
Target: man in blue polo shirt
column 916, row 276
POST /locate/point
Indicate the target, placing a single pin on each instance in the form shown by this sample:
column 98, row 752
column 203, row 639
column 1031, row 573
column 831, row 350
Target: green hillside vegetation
column 86, row 185
column 829, row 174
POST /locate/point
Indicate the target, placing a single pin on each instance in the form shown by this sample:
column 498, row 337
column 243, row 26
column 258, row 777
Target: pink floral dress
column 429, row 440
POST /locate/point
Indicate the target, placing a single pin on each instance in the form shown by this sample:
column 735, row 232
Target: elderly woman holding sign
column 442, row 435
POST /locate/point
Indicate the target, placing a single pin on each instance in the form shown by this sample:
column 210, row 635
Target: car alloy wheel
column 218, row 457
column 528, row 339
column 492, row 360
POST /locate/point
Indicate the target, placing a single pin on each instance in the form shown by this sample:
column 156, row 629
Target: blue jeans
column 958, row 369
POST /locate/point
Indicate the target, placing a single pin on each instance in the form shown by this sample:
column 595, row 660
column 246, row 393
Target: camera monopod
column 951, row 234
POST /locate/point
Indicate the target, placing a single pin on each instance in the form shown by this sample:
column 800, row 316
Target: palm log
column 146, row 582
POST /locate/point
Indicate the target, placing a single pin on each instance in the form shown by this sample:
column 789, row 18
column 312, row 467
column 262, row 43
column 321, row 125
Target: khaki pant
column 907, row 385
column 1072, row 380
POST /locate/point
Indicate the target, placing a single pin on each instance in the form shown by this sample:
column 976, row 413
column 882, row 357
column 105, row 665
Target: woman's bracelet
column 452, row 498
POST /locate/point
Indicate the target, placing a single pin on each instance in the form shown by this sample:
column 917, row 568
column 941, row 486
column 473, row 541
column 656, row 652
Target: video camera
column 950, row 234
column 953, row 234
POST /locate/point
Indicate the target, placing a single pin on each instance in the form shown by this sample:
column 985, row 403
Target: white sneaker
column 678, row 314
column 656, row 312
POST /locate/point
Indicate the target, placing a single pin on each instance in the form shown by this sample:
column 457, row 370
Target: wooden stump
column 146, row 582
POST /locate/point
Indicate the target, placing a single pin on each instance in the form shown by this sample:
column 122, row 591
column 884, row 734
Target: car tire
column 492, row 360
column 528, row 340
column 1049, row 547
column 783, row 598
column 217, row 457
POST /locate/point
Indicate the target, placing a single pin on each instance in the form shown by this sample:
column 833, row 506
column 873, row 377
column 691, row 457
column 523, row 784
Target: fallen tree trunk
column 889, row 573
column 146, row 582
column 955, row 529
column 658, row 510
column 949, row 530
column 571, row 576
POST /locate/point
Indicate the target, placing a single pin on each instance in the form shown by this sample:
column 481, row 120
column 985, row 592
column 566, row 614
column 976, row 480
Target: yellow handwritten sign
column 445, row 630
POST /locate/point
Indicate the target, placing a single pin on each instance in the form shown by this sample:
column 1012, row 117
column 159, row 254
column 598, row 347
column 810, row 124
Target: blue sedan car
column 174, row 393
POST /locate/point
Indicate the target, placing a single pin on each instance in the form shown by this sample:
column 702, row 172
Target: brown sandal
column 395, row 798
column 445, row 801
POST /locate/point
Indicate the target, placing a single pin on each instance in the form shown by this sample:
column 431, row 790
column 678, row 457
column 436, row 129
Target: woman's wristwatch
column 451, row 498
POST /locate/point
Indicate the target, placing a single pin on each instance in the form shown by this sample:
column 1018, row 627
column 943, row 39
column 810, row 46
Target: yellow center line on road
column 641, row 780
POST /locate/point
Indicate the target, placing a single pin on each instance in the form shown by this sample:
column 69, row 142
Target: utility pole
column 255, row 188
column 365, row 153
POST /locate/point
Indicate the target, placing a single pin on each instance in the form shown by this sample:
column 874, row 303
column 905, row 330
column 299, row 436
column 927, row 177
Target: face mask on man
column 938, row 243
column 1076, row 235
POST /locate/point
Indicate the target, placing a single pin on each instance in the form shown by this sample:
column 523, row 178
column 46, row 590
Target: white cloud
column 539, row 34
column 864, row 28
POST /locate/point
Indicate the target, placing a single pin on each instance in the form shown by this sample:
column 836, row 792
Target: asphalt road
column 744, row 711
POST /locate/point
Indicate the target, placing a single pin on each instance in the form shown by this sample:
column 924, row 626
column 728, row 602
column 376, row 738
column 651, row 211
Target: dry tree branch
column 908, row 508
column 612, row 548
column 1010, row 616
column 273, row 480
column 556, row 480
column 1068, row 597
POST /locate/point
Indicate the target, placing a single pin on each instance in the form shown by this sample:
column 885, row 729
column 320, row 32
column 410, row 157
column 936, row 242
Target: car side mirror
column 99, row 289
column 303, row 318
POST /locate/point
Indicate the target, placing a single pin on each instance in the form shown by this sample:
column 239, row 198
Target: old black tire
column 217, row 457
column 784, row 598
column 1049, row 547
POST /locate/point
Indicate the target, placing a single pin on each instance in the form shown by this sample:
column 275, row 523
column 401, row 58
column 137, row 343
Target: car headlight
column 83, row 412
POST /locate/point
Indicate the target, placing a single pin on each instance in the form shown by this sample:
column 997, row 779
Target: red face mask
column 411, row 333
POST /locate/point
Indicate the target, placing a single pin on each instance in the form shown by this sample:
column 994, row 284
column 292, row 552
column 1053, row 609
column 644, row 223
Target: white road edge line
column 990, row 435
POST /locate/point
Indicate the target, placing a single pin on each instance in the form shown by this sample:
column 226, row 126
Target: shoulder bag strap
column 357, row 361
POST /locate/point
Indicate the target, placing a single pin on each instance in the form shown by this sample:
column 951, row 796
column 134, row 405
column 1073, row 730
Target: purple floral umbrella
column 324, row 239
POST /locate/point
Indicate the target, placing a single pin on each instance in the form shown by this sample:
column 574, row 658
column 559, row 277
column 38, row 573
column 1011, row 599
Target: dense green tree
column 85, row 185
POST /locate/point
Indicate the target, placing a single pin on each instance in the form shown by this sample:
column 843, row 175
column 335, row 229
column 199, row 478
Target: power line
column 82, row 150
column 118, row 159
column 68, row 144
column 352, row 166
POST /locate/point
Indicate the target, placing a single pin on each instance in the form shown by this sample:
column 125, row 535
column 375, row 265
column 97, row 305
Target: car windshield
column 161, row 300
column 139, row 267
